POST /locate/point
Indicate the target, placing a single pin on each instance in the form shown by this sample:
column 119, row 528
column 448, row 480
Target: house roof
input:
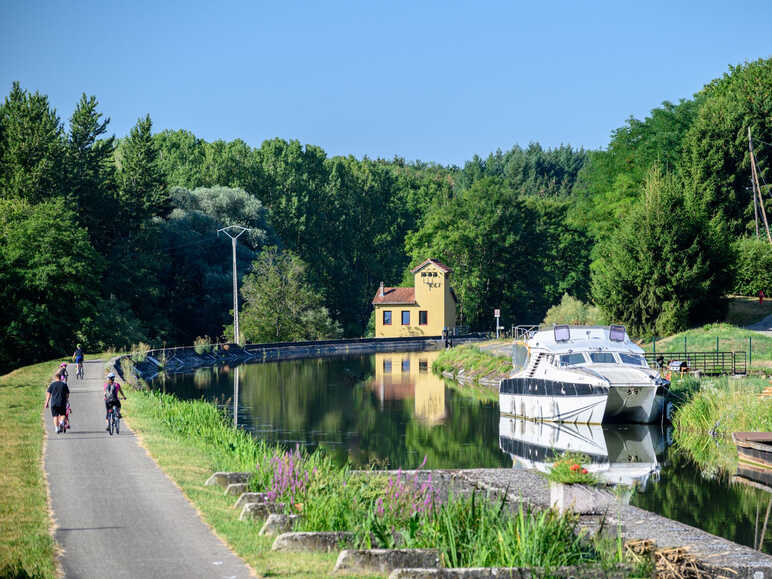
column 395, row 295
column 442, row 266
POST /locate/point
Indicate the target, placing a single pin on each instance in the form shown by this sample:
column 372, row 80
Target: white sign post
column 497, row 315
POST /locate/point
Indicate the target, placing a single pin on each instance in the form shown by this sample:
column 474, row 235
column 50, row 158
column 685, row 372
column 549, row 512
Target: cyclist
column 112, row 391
column 62, row 372
column 77, row 357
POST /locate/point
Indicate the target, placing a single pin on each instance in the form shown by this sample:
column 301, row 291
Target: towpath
column 763, row 327
column 116, row 513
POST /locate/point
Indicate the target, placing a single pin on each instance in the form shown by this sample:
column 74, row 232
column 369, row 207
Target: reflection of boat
column 754, row 454
column 618, row 454
column 581, row 374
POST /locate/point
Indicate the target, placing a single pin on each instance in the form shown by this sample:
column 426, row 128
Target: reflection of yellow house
column 423, row 310
column 409, row 375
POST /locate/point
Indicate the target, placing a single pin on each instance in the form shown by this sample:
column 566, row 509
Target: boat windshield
column 633, row 359
column 571, row 359
column 602, row 358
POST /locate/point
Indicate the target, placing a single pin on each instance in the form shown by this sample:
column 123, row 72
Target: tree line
column 111, row 241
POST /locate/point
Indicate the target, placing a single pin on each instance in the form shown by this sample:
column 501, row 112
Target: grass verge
column 189, row 444
column 744, row 311
column 474, row 362
column 26, row 545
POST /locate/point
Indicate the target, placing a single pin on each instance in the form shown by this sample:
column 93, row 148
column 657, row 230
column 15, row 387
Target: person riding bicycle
column 62, row 372
column 77, row 357
column 112, row 391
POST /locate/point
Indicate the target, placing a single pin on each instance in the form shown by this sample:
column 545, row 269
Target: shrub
column 752, row 269
column 139, row 352
column 202, row 345
column 573, row 311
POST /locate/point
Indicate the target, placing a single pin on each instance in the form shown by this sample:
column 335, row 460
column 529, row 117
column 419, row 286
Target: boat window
column 571, row 359
column 634, row 359
column 603, row 358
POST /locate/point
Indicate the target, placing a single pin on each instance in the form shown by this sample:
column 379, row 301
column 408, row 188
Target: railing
column 709, row 363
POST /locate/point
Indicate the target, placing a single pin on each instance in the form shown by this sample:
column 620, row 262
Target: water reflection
column 618, row 454
column 388, row 409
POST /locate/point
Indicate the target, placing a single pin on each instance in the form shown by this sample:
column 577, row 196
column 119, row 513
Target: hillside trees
column 279, row 304
column 716, row 157
column 666, row 267
column 506, row 251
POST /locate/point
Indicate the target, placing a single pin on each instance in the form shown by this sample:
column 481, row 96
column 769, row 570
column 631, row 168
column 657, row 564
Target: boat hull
column 581, row 403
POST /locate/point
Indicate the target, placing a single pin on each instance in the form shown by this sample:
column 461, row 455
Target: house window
column 423, row 366
column 406, row 365
column 422, row 317
column 387, row 366
column 405, row 317
column 386, row 317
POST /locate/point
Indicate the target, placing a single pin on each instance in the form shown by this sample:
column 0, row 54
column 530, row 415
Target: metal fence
column 709, row 363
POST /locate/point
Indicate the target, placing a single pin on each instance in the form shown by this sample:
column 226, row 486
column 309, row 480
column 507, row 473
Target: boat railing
column 522, row 333
column 708, row 363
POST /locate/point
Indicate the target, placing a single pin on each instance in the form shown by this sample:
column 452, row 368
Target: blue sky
column 436, row 81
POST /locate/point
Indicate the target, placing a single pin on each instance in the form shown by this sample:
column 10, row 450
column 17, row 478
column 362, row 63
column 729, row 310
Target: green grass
column 730, row 339
column 704, row 424
column 190, row 441
column 26, row 545
column 474, row 362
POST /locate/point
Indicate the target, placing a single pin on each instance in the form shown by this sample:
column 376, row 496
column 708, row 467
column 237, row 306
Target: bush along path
column 192, row 439
column 115, row 511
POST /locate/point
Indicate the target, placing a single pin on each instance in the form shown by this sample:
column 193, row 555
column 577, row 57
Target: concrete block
column 259, row 511
column 223, row 479
column 277, row 524
column 246, row 498
column 577, row 572
column 353, row 561
column 236, row 489
column 324, row 542
column 581, row 499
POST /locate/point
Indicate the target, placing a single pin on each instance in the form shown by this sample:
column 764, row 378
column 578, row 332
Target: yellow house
column 423, row 310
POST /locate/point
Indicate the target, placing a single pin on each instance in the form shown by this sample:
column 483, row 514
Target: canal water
column 392, row 411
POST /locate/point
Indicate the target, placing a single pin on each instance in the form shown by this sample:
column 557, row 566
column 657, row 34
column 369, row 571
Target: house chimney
column 380, row 293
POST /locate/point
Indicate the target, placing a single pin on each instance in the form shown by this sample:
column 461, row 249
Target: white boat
column 617, row 454
column 583, row 375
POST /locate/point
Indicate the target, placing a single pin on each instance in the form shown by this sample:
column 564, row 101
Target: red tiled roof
column 395, row 295
column 442, row 266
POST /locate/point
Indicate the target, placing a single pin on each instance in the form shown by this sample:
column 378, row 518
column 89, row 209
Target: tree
column 31, row 147
column 279, row 305
column 90, row 171
column 49, row 280
column 716, row 157
column 142, row 190
column 666, row 267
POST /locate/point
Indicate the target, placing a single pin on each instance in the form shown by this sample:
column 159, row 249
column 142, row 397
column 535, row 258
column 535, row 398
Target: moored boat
column 581, row 374
column 754, row 454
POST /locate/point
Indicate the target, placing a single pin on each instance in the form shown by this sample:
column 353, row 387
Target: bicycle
column 114, row 421
column 79, row 372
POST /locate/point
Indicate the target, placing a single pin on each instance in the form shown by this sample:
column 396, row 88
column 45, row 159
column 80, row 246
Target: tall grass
column 473, row 361
column 704, row 425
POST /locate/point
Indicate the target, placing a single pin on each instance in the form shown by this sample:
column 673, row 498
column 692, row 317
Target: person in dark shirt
column 57, row 395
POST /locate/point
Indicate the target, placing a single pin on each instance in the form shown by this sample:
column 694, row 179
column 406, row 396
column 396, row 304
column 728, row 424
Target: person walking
column 57, row 396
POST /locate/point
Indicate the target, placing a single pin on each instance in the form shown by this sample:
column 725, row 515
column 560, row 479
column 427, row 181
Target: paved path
column 116, row 513
column 763, row 327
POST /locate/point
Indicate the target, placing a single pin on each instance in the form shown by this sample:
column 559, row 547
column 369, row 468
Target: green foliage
column 139, row 352
column 48, row 279
column 568, row 469
column 752, row 271
column 716, row 158
column 573, row 311
column 704, row 426
column 202, row 345
column 488, row 235
column 665, row 268
column 31, row 147
column 473, row 361
column 279, row 304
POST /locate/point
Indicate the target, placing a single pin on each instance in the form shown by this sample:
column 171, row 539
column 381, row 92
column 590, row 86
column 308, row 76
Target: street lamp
column 241, row 230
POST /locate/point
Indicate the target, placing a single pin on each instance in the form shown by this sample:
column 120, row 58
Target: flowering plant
column 570, row 470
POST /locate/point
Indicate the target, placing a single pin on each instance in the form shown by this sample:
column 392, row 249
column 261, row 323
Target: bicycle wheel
column 117, row 425
column 111, row 422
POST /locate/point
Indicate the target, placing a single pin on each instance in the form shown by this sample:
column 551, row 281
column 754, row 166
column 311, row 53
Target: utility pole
column 241, row 230
column 757, row 188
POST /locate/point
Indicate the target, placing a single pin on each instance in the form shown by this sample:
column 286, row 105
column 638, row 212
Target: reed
column 704, row 425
